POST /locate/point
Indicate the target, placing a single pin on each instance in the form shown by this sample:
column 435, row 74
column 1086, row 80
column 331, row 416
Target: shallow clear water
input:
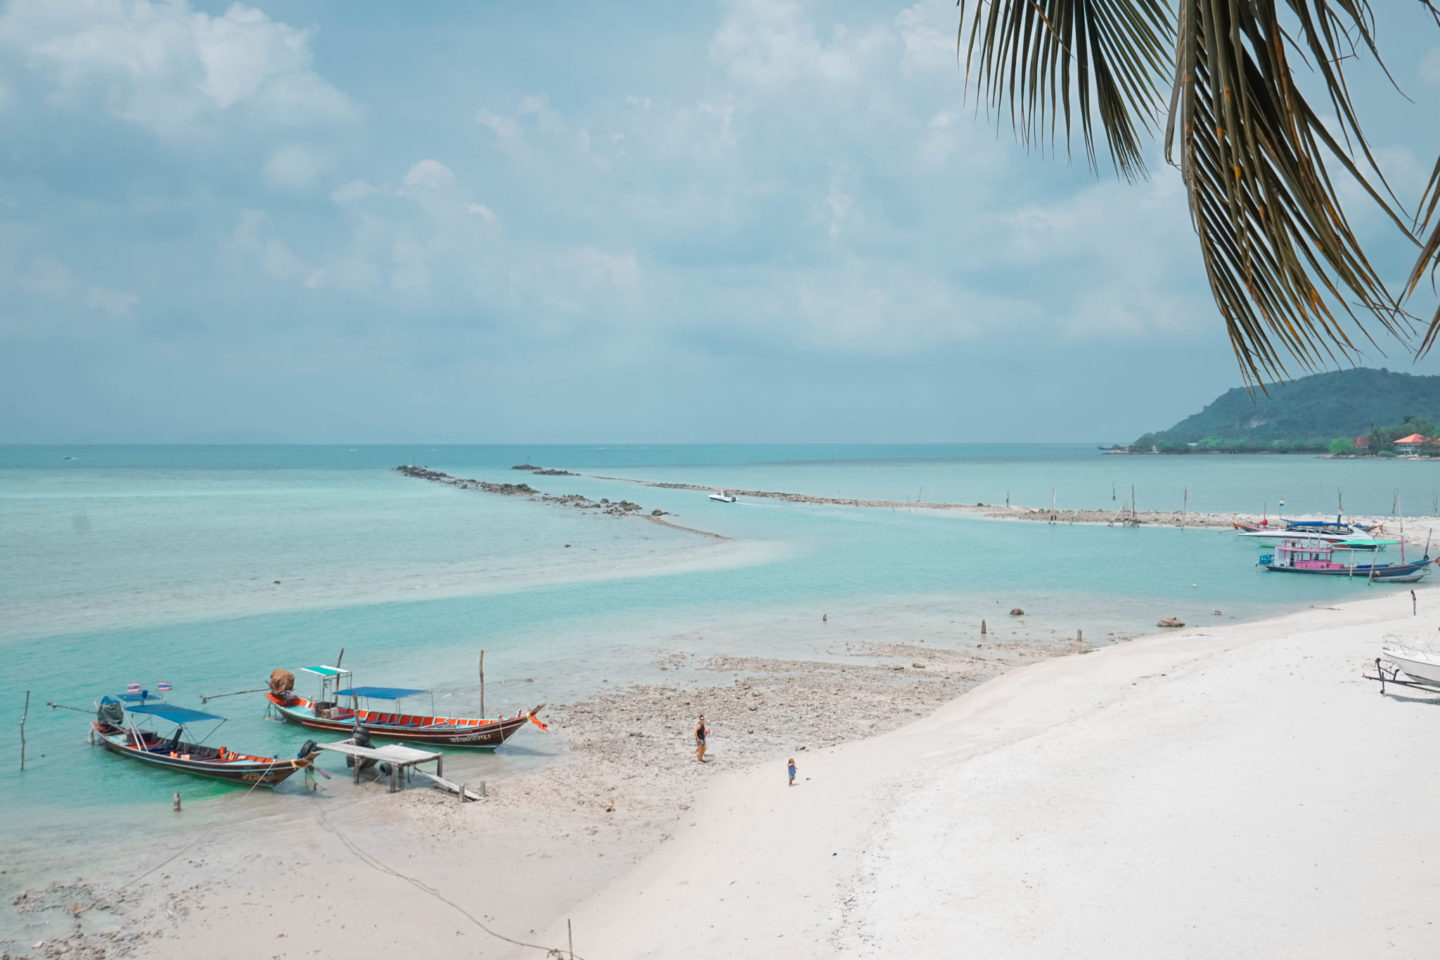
column 147, row 564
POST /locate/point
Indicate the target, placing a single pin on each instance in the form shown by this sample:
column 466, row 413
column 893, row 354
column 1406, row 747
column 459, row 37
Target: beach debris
column 918, row 666
column 1215, row 613
column 1016, row 612
column 1170, row 622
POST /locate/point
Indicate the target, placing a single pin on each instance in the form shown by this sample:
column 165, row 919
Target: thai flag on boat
column 163, row 687
column 132, row 688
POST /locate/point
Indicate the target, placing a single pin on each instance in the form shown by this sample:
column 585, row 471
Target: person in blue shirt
column 792, row 771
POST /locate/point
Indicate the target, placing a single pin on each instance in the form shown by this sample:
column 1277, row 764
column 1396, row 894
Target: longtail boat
column 117, row 728
column 1296, row 556
column 329, row 711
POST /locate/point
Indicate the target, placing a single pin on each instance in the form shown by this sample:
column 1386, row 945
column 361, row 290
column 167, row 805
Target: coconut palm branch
column 1284, row 266
column 1429, row 252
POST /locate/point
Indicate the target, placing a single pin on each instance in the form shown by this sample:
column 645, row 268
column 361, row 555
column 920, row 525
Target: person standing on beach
column 792, row 771
column 700, row 739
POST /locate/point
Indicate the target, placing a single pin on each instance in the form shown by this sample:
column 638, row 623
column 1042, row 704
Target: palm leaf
column 1284, row 266
column 1429, row 258
column 1118, row 51
column 1279, row 253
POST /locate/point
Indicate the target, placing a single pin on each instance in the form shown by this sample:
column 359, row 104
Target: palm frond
column 1279, row 253
column 1429, row 258
column 1110, row 58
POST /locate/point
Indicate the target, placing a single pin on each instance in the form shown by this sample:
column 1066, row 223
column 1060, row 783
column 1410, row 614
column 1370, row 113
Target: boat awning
column 168, row 711
column 379, row 693
column 327, row 671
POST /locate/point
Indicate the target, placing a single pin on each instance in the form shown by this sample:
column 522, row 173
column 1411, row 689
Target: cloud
column 115, row 303
column 352, row 192
column 769, row 44
column 294, row 166
column 170, row 68
column 429, row 175
column 44, row 297
column 479, row 210
column 251, row 240
column 1430, row 66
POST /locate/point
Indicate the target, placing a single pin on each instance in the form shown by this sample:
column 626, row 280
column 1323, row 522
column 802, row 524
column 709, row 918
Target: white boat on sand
column 1418, row 664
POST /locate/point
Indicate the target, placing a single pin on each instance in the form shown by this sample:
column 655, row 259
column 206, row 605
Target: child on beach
column 792, row 771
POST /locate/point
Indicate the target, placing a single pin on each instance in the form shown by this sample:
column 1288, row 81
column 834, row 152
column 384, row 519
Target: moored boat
column 329, row 711
column 1302, row 556
column 118, row 728
column 1347, row 540
column 720, row 496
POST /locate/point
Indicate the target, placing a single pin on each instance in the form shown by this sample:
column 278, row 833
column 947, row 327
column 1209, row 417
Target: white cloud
column 48, row 277
column 59, row 301
column 170, row 68
column 928, row 31
column 352, row 192
column 251, row 239
column 430, row 175
column 479, row 210
column 1430, row 66
column 294, row 166
column 773, row 43
column 621, row 270
column 115, row 303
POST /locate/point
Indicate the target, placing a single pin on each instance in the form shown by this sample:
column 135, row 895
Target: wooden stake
column 339, row 658
column 982, row 628
column 570, row 933
column 1185, row 508
column 23, row 716
column 482, row 683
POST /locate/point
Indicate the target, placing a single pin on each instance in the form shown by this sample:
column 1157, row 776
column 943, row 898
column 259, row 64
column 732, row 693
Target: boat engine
column 282, row 685
column 110, row 712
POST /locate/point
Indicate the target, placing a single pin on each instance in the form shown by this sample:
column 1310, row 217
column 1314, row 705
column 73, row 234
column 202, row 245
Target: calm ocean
column 149, row 564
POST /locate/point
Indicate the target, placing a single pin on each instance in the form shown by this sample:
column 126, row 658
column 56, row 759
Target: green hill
column 1325, row 406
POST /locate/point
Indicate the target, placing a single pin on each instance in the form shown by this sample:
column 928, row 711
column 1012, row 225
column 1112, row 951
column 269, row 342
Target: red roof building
column 1409, row 444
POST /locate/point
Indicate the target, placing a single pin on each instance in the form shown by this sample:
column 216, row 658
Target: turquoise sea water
column 160, row 563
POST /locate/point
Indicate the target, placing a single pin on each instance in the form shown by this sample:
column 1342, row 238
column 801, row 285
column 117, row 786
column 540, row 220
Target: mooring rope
column 431, row 891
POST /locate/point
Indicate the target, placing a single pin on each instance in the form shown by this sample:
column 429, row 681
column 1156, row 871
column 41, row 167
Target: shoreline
column 629, row 838
column 1146, row 799
column 619, row 791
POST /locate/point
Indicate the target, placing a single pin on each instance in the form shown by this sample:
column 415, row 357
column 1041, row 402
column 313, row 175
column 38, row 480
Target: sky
column 734, row 221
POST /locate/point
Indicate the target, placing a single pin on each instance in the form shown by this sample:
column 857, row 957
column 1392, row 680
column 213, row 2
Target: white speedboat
column 721, row 496
column 1421, row 665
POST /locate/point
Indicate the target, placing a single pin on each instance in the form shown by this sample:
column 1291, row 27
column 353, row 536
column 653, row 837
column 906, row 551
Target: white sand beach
column 1235, row 792
column 1225, row 791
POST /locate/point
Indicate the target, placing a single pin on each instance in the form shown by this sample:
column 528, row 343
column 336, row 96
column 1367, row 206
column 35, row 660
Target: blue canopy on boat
column 379, row 693
column 168, row 711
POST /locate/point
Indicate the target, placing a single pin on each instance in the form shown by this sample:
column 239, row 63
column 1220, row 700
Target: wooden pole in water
column 570, row 934
column 23, row 716
column 339, row 658
column 1185, row 508
column 482, row 683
